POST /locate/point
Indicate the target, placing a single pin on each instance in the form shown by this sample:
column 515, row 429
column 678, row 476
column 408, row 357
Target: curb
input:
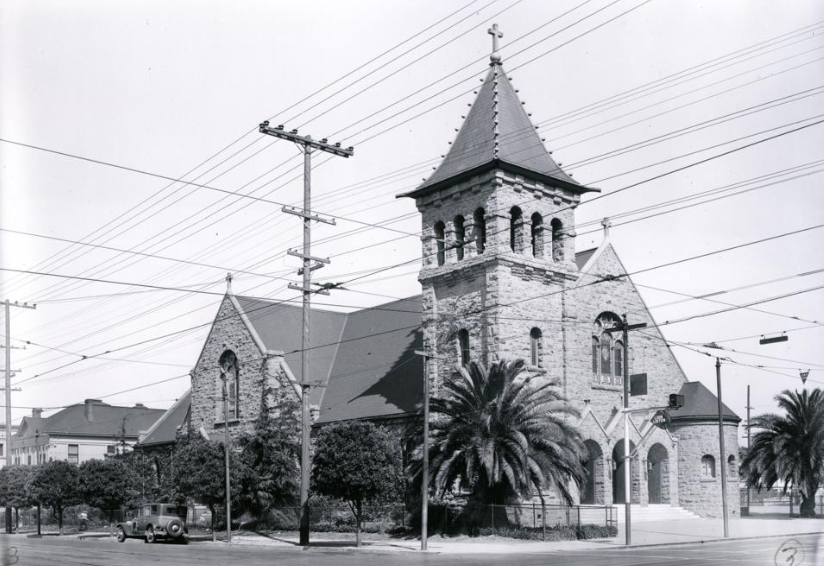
column 709, row 541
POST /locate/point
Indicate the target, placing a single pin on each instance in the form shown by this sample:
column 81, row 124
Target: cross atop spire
column 606, row 223
column 496, row 34
column 229, row 283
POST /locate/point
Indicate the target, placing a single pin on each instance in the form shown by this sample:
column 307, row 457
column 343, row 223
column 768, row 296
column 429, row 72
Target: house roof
column 106, row 420
column 498, row 133
column 701, row 404
column 164, row 430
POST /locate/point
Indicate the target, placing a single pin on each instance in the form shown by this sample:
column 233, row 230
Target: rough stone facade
column 700, row 491
column 500, row 295
column 256, row 369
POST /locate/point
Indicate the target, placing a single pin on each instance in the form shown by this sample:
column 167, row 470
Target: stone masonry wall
column 230, row 333
column 697, row 492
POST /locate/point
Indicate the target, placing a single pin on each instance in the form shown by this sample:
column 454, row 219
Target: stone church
column 500, row 278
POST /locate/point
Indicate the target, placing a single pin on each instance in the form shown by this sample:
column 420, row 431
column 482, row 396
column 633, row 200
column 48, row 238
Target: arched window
column 515, row 225
column 439, row 233
column 732, row 470
column 708, row 466
column 557, row 240
column 463, row 346
column 480, row 230
column 607, row 351
column 537, row 235
column 618, row 360
column 460, row 236
column 229, row 373
column 535, row 347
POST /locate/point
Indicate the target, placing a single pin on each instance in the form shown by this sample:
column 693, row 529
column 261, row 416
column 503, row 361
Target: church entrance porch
column 658, row 474
column 619, row 468
column 593, row 489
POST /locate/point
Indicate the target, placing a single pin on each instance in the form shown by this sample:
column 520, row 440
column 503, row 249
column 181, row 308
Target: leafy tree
column 107, row 484
column 13, row 486
column 502, row 436
column 200, row 474
column 271, row 455
column 790, row 448
column 357, row 462
column 143, row 467
column 54, row 484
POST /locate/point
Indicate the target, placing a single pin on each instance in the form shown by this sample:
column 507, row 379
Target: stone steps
column 652, row 513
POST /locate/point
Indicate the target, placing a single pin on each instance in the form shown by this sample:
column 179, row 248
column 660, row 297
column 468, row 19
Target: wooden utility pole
column 308, row 146
column 624, row 327
column 8, row 369
column 723, row 452
column 749, row 428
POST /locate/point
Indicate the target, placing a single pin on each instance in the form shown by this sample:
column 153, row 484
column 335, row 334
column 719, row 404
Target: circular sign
column 661, row 419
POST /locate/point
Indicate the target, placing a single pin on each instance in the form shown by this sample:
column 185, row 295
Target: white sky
column 161, row 87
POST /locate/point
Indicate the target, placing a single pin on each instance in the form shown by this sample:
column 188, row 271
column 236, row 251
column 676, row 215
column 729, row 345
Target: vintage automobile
column 154, row 522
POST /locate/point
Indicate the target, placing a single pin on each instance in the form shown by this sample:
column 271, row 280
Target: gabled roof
column 107, row 420
column 701, row 404
column 498, row 133
column 164, row 430
column 376, row 371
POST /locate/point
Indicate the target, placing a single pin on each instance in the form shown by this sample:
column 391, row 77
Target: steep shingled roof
column 164, row 430
column 512, row 143
column 701, row 404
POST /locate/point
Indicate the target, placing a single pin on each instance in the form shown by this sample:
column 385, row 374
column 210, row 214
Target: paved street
column 52, row 551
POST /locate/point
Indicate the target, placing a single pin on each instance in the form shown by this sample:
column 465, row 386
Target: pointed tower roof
column 498, row 133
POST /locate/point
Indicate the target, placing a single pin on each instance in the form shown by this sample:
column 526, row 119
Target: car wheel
column 121, row 534
column 175, row 528
column 150, row 535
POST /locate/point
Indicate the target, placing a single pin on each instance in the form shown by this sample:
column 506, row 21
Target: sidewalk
column 691, row 531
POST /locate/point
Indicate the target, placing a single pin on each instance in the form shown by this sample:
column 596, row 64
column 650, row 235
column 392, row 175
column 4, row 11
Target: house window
column 439, row 235
column 74, row 453
column 229, row 373
column 535, row 336
column 557, row 240
column 463, row 346
column 460, row 236
column 537, row 233
column 111, row 450
column 515, row 225
column 28, row 459
column 480, row 230
column 596, row 348
column 1, row 450
column 708, row 466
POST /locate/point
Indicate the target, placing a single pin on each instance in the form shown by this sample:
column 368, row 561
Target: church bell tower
column 498, row 238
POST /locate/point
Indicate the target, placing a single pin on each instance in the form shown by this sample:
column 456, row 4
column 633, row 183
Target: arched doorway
column 619, row 468
column 658, row 474
column 593, row 491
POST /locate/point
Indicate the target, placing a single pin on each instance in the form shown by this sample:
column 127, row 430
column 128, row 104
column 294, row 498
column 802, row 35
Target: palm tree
column 790, row 448
column 502, row 436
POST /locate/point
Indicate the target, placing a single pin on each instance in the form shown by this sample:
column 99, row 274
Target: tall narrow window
column 557, row 240
column 74, row 453
column 537, row 235
column 229, row 373
column 606, row 366
column 618, row 359
column 515, row 224
column 596, row 349
column 460, row 236
column 463, row 345
column 535, row 336
column 439, row 234
column 480, row 230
